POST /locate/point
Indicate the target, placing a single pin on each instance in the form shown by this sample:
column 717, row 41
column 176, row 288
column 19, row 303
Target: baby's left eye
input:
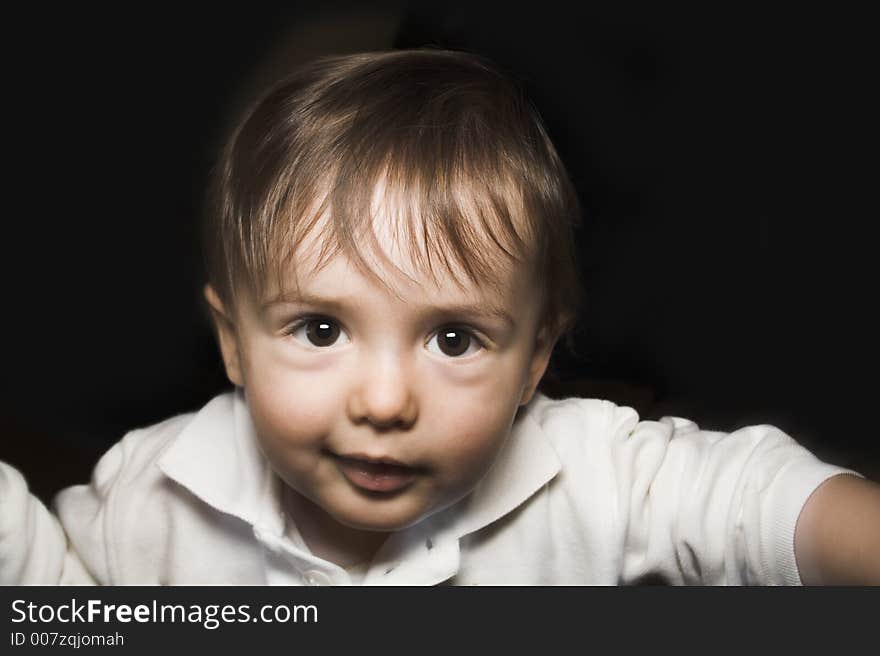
column 454, row 343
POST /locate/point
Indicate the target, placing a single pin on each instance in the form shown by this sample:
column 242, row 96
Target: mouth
column 376, row 474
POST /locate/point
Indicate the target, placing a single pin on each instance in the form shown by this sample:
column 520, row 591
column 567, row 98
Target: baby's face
column 383, row 406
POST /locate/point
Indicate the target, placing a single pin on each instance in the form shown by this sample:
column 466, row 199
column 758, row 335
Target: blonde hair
column 453, row 141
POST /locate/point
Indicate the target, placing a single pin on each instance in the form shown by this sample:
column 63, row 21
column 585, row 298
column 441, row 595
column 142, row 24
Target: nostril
column 396, row 423
column 384, row 412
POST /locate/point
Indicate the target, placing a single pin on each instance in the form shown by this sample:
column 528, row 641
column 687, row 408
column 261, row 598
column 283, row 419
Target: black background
column 726, row 161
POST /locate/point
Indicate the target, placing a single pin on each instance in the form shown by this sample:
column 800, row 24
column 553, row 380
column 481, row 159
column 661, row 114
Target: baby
column 390, row 265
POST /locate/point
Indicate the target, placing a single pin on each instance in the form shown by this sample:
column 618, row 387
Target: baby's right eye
column 320, row 332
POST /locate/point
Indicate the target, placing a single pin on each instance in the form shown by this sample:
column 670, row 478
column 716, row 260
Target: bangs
column 443, row 221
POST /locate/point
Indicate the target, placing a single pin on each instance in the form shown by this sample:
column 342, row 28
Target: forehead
column 393, row 248
column 394, row 273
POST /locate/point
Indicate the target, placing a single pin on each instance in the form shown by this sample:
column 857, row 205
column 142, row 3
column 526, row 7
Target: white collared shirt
column 583, row 492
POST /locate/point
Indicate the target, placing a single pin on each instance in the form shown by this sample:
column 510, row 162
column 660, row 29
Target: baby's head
column 390, row 263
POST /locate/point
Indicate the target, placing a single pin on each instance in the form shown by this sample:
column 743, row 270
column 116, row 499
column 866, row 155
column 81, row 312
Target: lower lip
column 376, row 477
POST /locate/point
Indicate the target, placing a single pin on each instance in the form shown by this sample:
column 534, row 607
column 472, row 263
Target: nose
column 383, row 396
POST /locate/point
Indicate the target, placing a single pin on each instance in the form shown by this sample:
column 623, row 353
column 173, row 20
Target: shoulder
column 578, row 423
column 119, row 523
column 597, row 436
column 585, row 420
column 135, row 457
column 576, row 411
column 602, row 439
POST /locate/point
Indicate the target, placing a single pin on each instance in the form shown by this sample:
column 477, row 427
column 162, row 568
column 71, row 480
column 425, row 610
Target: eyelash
column 303, row 321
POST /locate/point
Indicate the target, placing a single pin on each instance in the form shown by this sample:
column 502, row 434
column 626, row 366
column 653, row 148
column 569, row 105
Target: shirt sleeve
column 34, row 548
column 710, row 508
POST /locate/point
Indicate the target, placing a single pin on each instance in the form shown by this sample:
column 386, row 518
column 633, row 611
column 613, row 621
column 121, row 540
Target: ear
column 227, row 336
column 543, row 349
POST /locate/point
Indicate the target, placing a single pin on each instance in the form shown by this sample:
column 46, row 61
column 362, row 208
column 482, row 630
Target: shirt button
column 315, row 577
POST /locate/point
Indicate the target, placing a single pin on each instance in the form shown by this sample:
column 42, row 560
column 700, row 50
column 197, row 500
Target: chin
column 386, row 520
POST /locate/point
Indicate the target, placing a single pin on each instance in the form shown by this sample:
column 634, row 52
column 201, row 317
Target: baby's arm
column 33, row 546
column 837, row 540
column 710, row 508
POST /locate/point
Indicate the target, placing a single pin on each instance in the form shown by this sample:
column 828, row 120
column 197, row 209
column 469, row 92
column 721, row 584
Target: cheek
column 487, row 398
column 473, row 435
column 289, row 406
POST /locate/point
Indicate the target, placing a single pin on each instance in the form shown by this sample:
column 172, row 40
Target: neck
column 327, row 538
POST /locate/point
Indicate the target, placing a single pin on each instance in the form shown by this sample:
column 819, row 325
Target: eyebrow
column 485, row 311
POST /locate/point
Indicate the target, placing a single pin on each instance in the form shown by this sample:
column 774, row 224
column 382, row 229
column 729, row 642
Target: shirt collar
column 525, row 464
column 217, row 458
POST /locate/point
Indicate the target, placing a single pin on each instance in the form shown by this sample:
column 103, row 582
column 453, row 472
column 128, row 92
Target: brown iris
column 322, row 332
column 453, row 342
